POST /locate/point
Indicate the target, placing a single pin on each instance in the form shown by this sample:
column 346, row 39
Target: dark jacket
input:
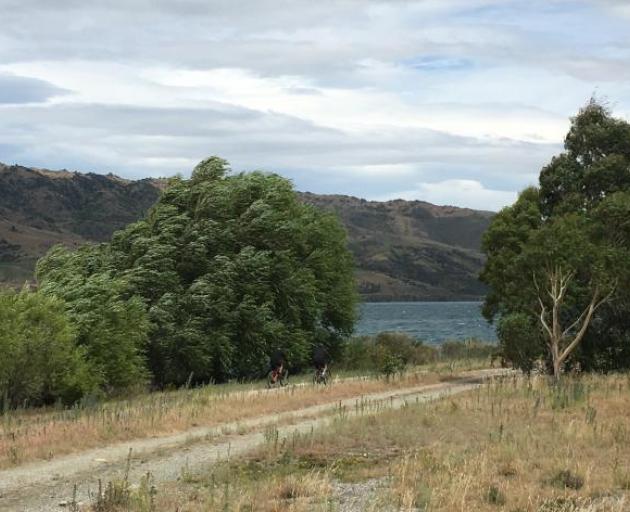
column 277, row 359
column 320, row 356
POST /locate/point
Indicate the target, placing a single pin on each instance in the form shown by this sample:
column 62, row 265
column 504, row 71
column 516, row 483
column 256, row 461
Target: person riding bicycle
column 277, row 367
column 321, row 358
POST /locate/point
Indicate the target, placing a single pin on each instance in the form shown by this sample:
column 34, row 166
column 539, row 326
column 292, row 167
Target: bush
column 520, row 340
column 566, row 479
column 40, row 362
column 469, row 349
column 494, row 496
column 388, row 353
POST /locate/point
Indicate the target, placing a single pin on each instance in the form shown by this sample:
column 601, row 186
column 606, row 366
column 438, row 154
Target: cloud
column 466, row 193
column 368, row 98
column 141, row 141
column 19, row 89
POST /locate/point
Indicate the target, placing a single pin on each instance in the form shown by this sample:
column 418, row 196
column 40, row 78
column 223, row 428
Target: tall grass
column 43, row 434
column 514, row 444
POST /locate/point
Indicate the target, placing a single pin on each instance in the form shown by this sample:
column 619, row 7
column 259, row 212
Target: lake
column 432, row 322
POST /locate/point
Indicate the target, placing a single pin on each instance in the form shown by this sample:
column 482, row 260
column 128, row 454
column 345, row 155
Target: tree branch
column 543, row 313
column 590, row 310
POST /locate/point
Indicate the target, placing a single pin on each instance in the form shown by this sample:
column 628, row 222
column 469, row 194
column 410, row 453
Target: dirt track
column 45, row 486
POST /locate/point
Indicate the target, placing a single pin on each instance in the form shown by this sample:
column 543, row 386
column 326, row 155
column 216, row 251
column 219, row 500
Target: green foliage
column 40, row 362
column 112, row 327
column 495, row 496
column 391, row 352
column 387, row 352
column 520, row 340
column 227, row 267
column 467, row 349
column 503, row 243
column 567, row 479
column 576, row 221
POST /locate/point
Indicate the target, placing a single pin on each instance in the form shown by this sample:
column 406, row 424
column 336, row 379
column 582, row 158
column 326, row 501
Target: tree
column 557, row 255
column 110, row 323
column 229, row 267
column 40, row 362
column 503, row 243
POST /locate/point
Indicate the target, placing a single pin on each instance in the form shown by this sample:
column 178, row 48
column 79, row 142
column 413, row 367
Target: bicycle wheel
column 284, row 378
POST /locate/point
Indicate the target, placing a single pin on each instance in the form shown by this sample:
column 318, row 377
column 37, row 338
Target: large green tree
column 229, row 267
column 557, row 258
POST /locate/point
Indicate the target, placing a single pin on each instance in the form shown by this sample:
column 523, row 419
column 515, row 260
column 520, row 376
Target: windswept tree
column 557, row 259
column 111, row 325
column 40, row 362
column 229, row 268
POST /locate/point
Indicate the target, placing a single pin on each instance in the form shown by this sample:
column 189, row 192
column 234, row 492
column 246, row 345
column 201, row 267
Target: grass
column 516, row 445
column 27, row 435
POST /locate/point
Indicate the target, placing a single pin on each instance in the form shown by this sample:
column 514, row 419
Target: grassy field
column 27, row 435
column 516, row 445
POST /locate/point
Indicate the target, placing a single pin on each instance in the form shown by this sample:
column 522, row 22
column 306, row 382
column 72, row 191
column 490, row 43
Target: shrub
column 495, row 496
column 469, row 349
column 388, row 353
column 566, row 479
column 520, row 340
column 111, row 327
column 40, row 362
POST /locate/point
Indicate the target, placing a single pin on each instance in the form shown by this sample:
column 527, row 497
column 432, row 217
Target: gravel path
column 49, row 485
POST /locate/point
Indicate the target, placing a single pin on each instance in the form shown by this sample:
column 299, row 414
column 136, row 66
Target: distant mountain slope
column 412, row 250
column 40, row 208
column 404, row 250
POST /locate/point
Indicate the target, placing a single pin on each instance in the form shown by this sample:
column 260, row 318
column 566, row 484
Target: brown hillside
column 412, row 250
column 40, row 208
column 404, row 250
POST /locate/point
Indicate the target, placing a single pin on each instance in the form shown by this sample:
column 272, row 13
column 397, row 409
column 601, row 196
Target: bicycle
column 321, row 375
column 277, row 377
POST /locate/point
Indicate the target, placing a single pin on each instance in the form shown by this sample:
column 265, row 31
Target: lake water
column 432, row 322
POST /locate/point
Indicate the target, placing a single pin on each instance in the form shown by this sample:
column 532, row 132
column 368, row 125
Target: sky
column 456, row 102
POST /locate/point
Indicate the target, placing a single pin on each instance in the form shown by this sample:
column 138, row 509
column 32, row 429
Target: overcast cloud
column 450, row 101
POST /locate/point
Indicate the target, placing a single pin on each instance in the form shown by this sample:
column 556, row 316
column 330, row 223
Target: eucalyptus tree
column 557, row 258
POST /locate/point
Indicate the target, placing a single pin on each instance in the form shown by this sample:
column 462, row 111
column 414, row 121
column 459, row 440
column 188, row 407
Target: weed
column 494, row 495
column 566, row 479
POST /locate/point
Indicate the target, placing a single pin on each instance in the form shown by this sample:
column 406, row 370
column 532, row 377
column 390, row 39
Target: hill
column 404, row 250
column 412, row 250
column 40, row 208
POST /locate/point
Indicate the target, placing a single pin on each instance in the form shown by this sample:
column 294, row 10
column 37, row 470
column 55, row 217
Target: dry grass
column 514, row 445
column 44, row 434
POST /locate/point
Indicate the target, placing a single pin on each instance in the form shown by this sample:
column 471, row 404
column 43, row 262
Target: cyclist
column 278, row 372
column 320, row 362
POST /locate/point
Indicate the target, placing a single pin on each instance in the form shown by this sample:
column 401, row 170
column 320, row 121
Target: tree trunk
column 563, row 342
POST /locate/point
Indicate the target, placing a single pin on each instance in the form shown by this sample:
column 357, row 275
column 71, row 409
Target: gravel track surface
column 49, row 485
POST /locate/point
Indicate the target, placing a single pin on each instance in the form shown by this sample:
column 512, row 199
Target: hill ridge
column 404, row 250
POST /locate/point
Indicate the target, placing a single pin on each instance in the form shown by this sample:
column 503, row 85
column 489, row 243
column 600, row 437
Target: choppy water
column 432, row 322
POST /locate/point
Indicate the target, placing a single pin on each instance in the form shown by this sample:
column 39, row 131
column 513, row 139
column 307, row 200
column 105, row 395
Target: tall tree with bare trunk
column 574, row 272
column 563, row 340
column 557, row 260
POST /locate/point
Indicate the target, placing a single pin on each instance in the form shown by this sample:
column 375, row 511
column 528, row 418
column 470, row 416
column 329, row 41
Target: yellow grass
column 515, row 445
column 32, row 434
